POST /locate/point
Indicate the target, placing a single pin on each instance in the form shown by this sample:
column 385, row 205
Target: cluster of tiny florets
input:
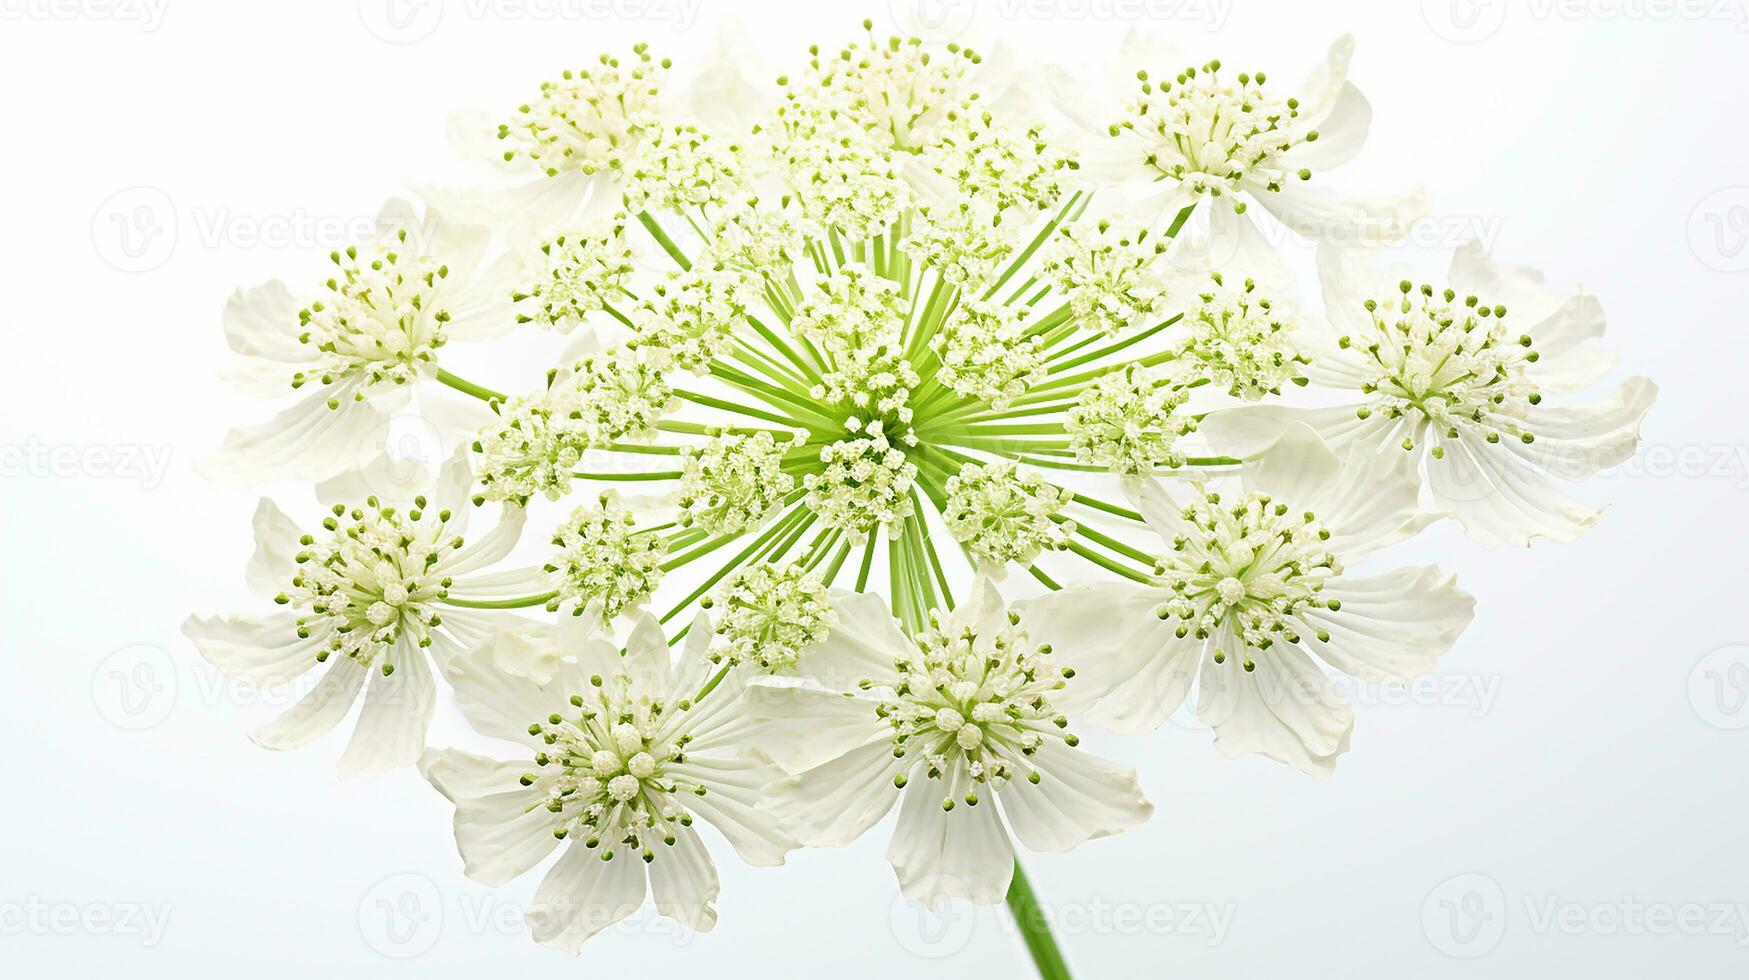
column 733, row 483
column 1448, row 360
column 987, row 353
column 577, row 274
column 691, row 318
column 1003, row 514
column 976, row 704
column 769, row 615
column 1251, row 566
column 377, row 325
column 1235, row 338
column 591, row 120
column 603, row 560
column 1114, row 279
column 681, row 168
column 863, row 483
column 1210, row 133
column 1127, row 421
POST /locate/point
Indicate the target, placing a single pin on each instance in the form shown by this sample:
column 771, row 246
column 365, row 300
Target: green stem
column 1034, row 929
column 520, row 602
column 463, row 385
column 663, row 240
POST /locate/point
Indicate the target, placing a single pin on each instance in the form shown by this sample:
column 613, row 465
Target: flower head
column 602, row 561
column 1005, row 515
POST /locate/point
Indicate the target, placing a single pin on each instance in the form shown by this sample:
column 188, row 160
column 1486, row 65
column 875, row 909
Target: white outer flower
column 1267, row 603
column 1484, row 471
column 645, row 773
column 835, row 735
column 353, row 374
column 1325, row 102
column 392, row 600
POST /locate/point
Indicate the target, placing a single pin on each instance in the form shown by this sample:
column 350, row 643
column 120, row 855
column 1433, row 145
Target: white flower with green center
column 605, row 566
column 1455, row 376
column 987, row 353
column 359, row 344
column 1116, row 278
column 1127, row 421
column 579, row 273
column 884, row 320
column 966, row 721
column 1002, row 514
column 628, row 756
column 1207, row 137
column 734, row 483
column 1234, row 337
column 386, row 585
column 769, row 615
column 1251, row 586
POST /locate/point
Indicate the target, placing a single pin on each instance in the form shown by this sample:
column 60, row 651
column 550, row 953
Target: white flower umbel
column 1455, row 377
column 1252, row 589
column 1004, row 515
column 964, row 722
column 579, row 273
column 357, row 346
column 769, row 615
column 734, row 483
column 626, row 756
column 1127, row 421
column 1234, row 336
column 604, row 563
column 370, row 598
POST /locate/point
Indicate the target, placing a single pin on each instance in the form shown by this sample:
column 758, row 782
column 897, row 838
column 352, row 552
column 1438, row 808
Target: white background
column 1582, row 758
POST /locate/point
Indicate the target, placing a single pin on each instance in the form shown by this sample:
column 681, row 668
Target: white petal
column 683, row 881
column 503, row 704
column 1131, row 672
column 272, row 566
column 1391, row 627
column 1375, row 503
column 259, row 652
column 491, row 547
column 942, row 855
column 397, row 710
column 1249, row 430
column 263, row 322
column 647, row 653
column 734, row 804
column 1286, row 709
column 583, row 895
column 1324, row 216
column 318, row 711
column 1576, row 442
column 1498, row 498
column 838, row 800
column 1078, row 797
column 308, row 441
column 860, row 645
column 499, row 834
column 805, row 724
column 1298, row 469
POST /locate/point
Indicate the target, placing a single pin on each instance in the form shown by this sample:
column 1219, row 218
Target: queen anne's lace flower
column 733, row 483
column 1234, row 337
column 863, row 483
column 1114, row 278
column 365, row 595
column 1128, row 421
column 579, row 273
column 1252, row 585
column 966, row 722
column 681, row 168
column 770, row 615
column 1005, row 515
column 592, row 119
column 624, row 758
column 692, row 317
column 987, row 353
column 603, row 562
column 1444, row 377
